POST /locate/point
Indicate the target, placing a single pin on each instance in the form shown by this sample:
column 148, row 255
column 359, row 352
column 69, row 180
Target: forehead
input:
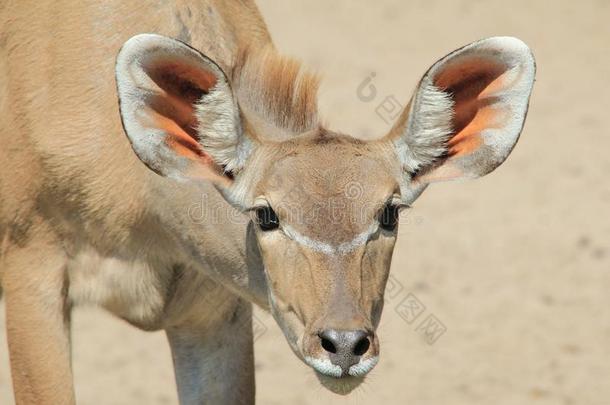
column 329, row 187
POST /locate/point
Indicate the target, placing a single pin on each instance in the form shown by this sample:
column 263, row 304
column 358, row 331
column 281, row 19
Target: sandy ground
column 516, row 266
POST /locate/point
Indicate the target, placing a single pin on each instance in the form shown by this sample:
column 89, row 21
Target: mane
column 275, row 92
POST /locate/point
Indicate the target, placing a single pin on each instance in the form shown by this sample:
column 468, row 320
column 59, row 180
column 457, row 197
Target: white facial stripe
column 324, row 366
column 363, row 367
column 327, row 248
column 318, row 246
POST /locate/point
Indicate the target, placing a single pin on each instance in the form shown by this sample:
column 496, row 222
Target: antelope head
column 324, row 205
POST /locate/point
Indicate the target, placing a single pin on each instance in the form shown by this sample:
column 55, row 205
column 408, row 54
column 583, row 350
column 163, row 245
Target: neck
column 219, row 240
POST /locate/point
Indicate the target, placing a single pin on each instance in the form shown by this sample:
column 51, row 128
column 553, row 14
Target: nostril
column 345, row 343
column 328, row 345
column 362, row 346
column 345, row 348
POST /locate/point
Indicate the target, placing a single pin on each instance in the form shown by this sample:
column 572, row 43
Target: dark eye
column 389, row 217
column 267, row 219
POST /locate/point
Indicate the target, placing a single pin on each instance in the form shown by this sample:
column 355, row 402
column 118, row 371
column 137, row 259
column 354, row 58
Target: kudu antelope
column 212, row 112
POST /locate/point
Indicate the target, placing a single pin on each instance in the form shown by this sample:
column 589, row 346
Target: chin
column 341, row 386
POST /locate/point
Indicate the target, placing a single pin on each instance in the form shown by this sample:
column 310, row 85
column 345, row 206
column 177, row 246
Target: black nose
column 344, row 347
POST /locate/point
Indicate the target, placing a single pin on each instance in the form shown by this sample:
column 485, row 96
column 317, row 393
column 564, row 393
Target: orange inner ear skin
column 175, row 109
column 472, row 84
column 464, row 143
column 171, row 109
column 469, row 139
column 177, row 138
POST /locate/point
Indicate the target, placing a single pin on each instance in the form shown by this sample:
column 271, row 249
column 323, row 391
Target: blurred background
column 510, row 273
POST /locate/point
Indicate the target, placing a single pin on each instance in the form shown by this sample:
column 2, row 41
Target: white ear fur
column 429, row 145
column 208, row 126
column 220, row 132
column 428, row 128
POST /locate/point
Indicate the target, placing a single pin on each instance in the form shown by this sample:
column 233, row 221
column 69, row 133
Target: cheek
column 376, row 266
column 375, row 270
column 283, row 262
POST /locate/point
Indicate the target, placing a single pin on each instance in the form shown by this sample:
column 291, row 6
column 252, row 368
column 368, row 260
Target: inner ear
column 472, row 83
column 181, row 86
column 177, row 109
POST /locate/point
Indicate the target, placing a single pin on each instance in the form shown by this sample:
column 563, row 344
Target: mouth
column 326, row 368
column 333, row 378
column 340, row 385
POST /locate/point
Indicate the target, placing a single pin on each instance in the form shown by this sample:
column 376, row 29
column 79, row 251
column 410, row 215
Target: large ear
column 178, row 110
column 467, row 112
